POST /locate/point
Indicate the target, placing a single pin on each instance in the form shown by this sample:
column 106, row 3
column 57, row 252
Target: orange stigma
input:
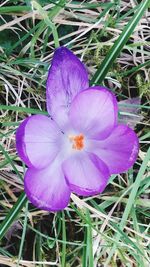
column 78, row 141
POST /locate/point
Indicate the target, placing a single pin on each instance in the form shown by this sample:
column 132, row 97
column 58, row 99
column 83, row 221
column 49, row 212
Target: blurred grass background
column 113, row 39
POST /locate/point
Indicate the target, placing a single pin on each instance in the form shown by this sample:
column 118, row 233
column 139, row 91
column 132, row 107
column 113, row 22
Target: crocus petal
column 67, row 76
column 47, row 188
column 94, row 112
column 119, row 151
column 85, row 173
column 38, row 141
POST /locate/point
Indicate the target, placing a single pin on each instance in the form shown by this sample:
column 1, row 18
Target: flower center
column 77, row 141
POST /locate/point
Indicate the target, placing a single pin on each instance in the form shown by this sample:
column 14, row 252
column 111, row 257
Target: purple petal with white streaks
column 47, row 188
column 85, row 173
column 38, row 141
column 119, row 151
column 67, row 76
column 94, row 112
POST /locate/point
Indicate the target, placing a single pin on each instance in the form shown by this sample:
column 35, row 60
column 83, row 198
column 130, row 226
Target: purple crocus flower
column 80, row 145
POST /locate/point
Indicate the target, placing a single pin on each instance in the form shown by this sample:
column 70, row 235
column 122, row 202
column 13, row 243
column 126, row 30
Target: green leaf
column 130, row 203
column 12, row 9
column 63, row 261
column 12, row 215
column 22, row 109
column 10, row 161
column 119, row 44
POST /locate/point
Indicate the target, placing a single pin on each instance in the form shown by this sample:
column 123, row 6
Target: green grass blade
column 12, row 9
column 135, row 69
column 48, row 22
column 119, row 44
column 63, row 263
column 23, row 235
column 22, row 109
column 130, row 203
column 12, row 215
column 10, row 161
column 135, row 188
column 89, row 241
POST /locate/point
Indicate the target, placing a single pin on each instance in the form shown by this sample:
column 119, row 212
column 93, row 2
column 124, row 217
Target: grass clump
column 111, row 229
